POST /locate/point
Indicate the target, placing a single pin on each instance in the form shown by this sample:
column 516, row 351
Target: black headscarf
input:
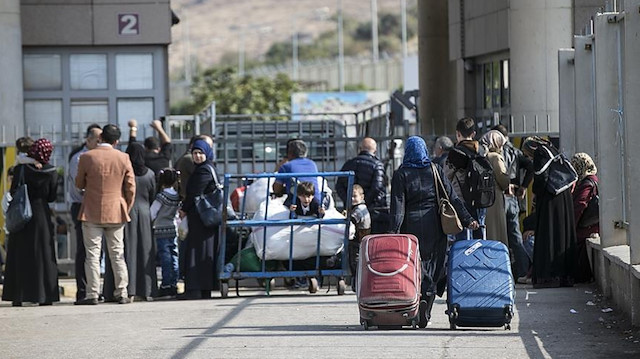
column 136, row 153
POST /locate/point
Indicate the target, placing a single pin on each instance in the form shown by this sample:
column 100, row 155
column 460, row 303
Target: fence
column 244, row 144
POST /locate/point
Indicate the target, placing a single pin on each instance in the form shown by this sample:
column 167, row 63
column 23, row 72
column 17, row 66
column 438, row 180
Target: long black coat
column 555, row 245
column 414, row 211
column 31, row 273
column 201, row 245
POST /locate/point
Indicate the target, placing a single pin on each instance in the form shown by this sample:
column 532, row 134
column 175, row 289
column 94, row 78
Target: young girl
column 164, row 214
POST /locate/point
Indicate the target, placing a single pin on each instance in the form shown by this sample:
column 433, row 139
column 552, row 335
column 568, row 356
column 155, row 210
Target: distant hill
column 211, row 28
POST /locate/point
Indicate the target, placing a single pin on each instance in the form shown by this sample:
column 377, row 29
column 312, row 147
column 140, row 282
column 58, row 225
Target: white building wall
column 11, row 110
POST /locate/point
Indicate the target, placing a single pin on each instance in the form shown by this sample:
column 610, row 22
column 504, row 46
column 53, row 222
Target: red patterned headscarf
column 41, row 150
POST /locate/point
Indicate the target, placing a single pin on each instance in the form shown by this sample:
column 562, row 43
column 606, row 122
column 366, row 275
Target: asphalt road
column 549, row 323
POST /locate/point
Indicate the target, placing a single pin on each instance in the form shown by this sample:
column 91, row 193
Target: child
column 362, row 220
column 164, row 214
column 307, row 205
column 23, row 144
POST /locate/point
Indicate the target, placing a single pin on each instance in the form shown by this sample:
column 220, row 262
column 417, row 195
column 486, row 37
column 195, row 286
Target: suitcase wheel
column 313, row 285
column 453, row 316
column 365, row 324
column 414, row 324
column 342, row 287
column 507, row 326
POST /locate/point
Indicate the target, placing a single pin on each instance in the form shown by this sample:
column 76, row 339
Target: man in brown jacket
column 105, row 175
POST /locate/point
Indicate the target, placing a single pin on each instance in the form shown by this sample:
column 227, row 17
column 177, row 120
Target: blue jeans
column 512, row 209
column 168, row 255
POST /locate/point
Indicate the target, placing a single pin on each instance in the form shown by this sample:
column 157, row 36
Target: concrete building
column 495, row 60
column 68, row 63
column 600, row 110
column 65, row 64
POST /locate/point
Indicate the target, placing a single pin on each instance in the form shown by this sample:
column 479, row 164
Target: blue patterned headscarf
column 415, row 153
column 203, row 146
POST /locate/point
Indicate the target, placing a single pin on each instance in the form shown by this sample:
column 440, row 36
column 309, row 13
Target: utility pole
column 241, row 54
column 403, row 9
column 294, row 44
column 374, row 29
column 340, row 49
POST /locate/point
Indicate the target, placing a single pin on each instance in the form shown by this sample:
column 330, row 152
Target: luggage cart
column 265, row 272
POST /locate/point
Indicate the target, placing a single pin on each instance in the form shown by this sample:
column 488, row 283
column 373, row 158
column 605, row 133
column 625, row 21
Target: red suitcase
column 389, row 278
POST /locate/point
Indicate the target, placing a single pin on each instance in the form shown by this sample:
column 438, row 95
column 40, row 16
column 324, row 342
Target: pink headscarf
column 494, row 140
column 41, row 150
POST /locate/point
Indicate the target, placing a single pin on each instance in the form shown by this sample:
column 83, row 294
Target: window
column 497, row 84
column 134, row 71
column 88, row 72
column 487, row 86
column 86, row 112
column 506, row 94
column 139, row 108
column 37, row 113
column 42, row 72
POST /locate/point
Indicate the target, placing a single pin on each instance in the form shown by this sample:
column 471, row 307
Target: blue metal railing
column 241, row 220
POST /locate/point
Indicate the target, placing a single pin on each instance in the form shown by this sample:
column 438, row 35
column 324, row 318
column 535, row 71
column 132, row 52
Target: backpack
column 478, row 189
column 591, row 214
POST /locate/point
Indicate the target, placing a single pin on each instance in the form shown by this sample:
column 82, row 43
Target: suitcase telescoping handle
column 483, row 228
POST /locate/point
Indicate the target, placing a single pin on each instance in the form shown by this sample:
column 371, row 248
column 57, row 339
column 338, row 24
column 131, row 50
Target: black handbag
column 209, row 205
column 591, row 214
column 561, row 174
column 19, row 212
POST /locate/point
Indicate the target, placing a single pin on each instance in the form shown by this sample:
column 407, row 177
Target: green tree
column 246, row 95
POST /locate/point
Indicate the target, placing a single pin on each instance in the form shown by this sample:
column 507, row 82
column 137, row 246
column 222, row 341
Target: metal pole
column 241, row 54
column 403, row 9
column 294, row 45
column 374, row 29
column 340, row 49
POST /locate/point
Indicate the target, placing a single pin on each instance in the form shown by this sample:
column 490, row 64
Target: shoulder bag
column 448, row 215
column 561, row 173
column 209, row 205
column 19, row 212
column 591, row 214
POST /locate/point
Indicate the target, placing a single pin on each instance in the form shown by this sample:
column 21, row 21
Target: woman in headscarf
column 201, row 244
column 31, row 273
column 554, row 248
column 496, row 221
column 585, row 190
column 139, row 246
column 414, row 210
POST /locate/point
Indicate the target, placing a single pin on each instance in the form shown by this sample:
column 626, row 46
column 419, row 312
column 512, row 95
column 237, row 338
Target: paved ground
column 296, row 324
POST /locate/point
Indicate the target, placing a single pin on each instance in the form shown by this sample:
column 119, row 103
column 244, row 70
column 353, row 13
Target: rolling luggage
column 388, row 283
column 480, row 289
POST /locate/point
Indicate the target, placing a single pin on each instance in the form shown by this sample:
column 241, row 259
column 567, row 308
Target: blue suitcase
column 480, row 289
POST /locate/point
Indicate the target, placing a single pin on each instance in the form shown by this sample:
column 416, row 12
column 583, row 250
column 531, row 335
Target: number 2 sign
column 128, row 24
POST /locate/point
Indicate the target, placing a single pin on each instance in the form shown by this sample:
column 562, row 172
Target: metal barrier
column 289, row 272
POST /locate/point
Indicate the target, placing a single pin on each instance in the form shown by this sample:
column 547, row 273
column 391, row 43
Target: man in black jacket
column 369, row 173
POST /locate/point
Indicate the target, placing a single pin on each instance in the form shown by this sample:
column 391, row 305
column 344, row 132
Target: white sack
column 256, row 193
column 304, row 237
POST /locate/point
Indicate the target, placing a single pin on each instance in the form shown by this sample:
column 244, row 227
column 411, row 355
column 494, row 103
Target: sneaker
column 422, row 314
column 169, row 291
column 523, row 280
column 87, row 301
column 123, row 300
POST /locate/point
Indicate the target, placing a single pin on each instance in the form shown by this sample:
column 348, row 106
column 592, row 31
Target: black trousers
column 81, row 255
